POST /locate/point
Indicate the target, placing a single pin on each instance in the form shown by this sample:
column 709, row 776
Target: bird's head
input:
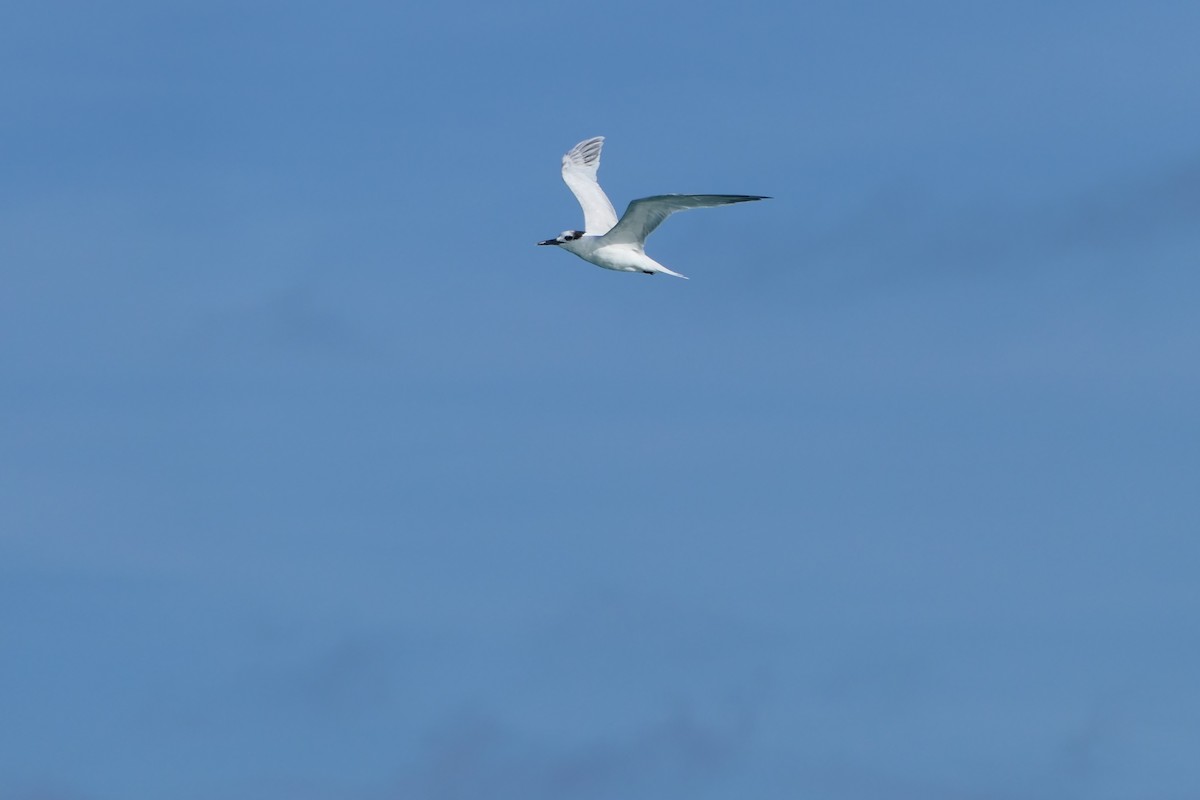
column 564, row 237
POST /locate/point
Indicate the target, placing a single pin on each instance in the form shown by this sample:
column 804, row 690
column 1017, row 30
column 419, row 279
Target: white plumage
column 619, row 244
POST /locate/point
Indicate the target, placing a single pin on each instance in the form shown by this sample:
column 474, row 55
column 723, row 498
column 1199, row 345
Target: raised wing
column 579, row 172
column 646, row 214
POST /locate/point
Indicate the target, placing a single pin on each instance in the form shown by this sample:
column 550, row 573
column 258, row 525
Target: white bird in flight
column 618, row 245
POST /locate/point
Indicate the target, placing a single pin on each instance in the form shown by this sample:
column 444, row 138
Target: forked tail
column 671, row 272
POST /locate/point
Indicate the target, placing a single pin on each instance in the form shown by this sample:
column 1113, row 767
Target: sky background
column 318, row 480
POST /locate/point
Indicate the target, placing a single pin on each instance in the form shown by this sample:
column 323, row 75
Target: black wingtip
column 743, row 198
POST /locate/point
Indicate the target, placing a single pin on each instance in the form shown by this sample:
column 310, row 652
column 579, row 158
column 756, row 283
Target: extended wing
column 644, row 215
column 579, row 172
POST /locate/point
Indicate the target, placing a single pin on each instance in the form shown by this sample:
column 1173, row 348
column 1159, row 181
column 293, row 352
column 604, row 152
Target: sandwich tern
column 618, row 244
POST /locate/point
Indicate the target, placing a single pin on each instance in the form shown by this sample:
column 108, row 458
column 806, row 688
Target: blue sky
column 319, row 480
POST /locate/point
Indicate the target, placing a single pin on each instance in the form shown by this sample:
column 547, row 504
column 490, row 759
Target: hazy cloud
column 907, row 232
column 478, row 755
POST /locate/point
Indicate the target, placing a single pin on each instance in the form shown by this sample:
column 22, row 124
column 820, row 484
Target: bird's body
column 619, row 244
column 619, row 256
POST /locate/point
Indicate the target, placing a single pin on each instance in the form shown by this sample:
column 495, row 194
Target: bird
column 619, row 244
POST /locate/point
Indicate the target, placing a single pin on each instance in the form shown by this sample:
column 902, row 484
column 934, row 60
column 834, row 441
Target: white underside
column 621, row 257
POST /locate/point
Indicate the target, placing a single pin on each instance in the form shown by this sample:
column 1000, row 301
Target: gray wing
column 579, row 168
column 644, row 215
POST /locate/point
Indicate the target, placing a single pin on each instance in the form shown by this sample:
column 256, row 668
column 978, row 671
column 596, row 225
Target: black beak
column 549, row 241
